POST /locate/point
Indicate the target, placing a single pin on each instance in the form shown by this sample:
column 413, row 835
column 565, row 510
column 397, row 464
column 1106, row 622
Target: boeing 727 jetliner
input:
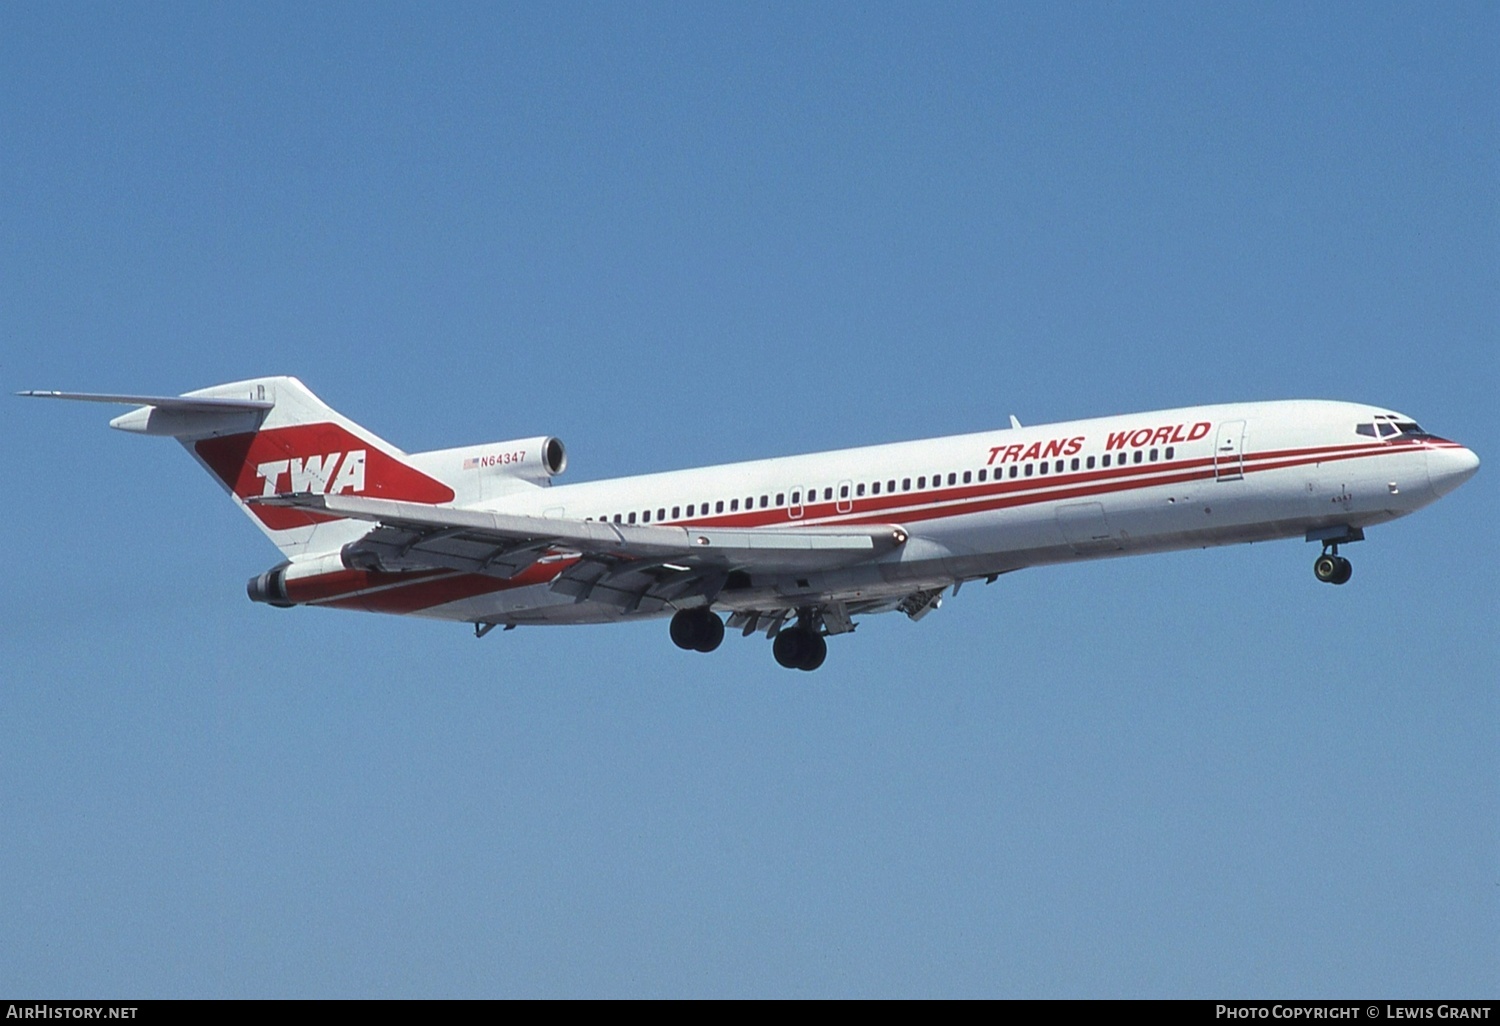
column 794, row 548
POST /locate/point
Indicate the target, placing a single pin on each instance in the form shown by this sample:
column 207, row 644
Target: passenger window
column 922, row 481
column 827, row 494
column 1090, row 463
column 983, row 473
column 734, row 505
column 780, row 499
column 968, row 476
column 890, row 485
column 1106, row 459
column 953, row 479
column 1012, row 470
column 646, row 517
column 1171, row 452
column 677, row 512
column 1138, row 455
column 1028, row 470
column 1153, row 455
column 632, row 518
column 661, row 514
column 1042, row 468
column 719, row 506
column 859, row 489
column 875, row 488
column 1058, row 466
column 843, row 491
column 1075, row 462
column 796, row 498
column 765, row 500
column 906, row 484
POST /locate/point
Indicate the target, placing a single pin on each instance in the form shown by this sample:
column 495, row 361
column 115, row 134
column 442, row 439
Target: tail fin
column 267, row 436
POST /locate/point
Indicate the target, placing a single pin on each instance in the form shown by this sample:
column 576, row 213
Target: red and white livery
column 796, row 547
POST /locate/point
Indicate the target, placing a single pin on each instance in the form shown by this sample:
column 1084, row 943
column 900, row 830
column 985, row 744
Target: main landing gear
column 800, row 648
column 797, row 648
column 1332, row 568
column 698, row 630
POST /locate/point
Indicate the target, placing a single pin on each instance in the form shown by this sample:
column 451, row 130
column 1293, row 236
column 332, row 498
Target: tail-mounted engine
column 291, row 584
column 270, row 588
column 479, row 472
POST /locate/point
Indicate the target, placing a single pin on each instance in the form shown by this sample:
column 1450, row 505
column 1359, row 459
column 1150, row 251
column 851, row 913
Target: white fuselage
column 987, row 503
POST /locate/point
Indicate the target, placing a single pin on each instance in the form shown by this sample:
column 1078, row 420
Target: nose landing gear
column 1332, row 568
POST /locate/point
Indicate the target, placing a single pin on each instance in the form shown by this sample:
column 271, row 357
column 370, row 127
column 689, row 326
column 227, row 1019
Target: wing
column 636, row 567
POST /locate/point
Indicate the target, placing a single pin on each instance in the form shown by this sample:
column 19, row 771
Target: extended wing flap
column 414, row 535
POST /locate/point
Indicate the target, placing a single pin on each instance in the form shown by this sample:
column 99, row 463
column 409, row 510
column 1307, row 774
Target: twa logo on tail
column 315, row 474
column 326, row 459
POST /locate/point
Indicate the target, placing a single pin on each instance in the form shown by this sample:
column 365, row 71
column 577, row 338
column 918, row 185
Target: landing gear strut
column 1332, row 568
column 698, row 630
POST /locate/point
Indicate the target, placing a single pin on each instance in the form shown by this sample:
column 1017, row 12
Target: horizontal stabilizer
column 176, row 416
column 176, row 403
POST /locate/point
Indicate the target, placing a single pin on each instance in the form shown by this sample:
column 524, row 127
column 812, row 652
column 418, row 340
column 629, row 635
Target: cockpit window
column 1387, row 426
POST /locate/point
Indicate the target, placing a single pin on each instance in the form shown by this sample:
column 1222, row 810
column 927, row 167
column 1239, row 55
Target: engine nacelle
column 270, row 588
column 478, row 472
column 291, row 584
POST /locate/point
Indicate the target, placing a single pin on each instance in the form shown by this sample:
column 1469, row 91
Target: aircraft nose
column 1447, row 468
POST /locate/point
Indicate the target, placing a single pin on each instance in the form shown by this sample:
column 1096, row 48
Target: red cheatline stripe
column 1074, row 489
column 436, row 591
column 309, row 590
column 1141, row 474
column 403, row 593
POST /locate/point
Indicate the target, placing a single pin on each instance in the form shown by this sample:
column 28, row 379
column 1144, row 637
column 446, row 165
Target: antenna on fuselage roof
column 1014, row 423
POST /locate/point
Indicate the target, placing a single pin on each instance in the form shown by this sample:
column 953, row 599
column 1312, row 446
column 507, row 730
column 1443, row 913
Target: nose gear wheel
column 1331, row 568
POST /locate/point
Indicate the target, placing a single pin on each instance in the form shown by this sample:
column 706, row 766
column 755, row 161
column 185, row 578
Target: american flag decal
column 472, row 463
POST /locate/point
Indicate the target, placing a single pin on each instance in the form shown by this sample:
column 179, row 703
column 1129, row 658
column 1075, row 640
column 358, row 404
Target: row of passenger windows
column 1014, row 470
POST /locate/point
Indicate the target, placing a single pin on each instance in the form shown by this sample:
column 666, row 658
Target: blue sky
column 685, row 234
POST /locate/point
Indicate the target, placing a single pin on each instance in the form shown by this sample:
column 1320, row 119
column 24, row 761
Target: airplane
column 795, row 547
